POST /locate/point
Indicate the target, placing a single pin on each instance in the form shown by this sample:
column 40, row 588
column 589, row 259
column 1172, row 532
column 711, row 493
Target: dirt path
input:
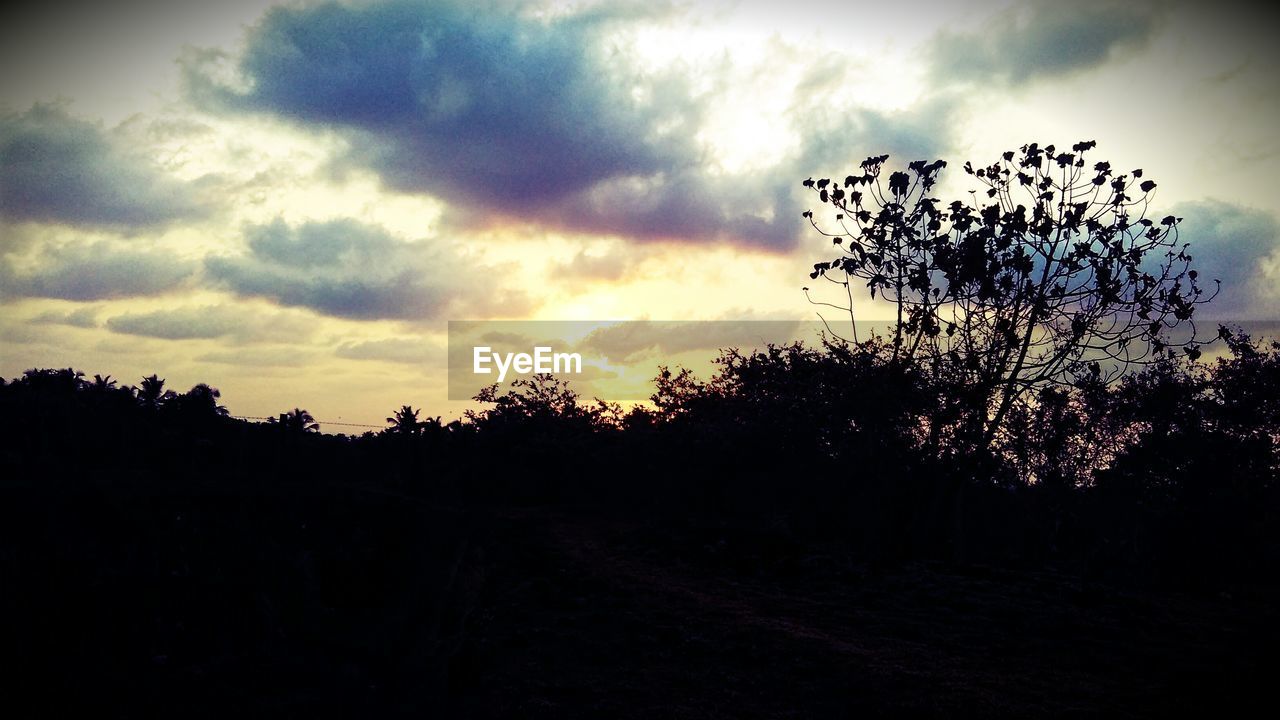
column 584, row 617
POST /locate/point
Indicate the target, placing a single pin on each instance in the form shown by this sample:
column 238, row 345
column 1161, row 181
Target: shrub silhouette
column 1170, row 468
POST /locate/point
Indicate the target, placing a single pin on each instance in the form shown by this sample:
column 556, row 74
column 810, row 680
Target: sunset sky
column 290, row 203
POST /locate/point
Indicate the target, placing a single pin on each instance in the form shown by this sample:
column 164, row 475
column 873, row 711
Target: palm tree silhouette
column 203, row 400
column 103, row 384
column 151, row 393
column 405, row 421
column 62, row 382
column 296, row 420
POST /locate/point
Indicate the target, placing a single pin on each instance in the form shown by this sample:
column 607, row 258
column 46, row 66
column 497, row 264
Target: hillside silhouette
column 793, row 536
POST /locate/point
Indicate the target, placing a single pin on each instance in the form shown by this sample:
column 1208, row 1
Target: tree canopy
column 1052, row 269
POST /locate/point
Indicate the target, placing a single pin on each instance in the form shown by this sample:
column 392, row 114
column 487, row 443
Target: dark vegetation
column 1049, row 514
column 160, row 555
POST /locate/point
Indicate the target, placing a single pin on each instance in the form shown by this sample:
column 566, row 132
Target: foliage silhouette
column 405, row 421
column 200, row 401
column 151, row 393
column 295, row 421
column 378, row 571
column 1060, row 272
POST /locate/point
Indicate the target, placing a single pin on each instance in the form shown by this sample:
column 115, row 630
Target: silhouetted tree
column 1060, row 272
column 405, row 422
column 151, row 393
column 541, row 399
column 1246, row 387
column 103, row 383
column 50, row 382
column 296, row 420
column 808, row 399
column 1051, row 447
column 200, row 401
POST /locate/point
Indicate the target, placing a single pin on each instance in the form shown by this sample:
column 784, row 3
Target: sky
column 290, row 201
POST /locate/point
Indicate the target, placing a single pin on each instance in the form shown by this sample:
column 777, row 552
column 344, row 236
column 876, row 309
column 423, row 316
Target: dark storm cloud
column 511, row 116
column 91, row 272
column 476, row 104
column 61, row 169
column 1042, row 38
column 838, row 139
column 347, row 269
column 686, row 205
column 1233, row 244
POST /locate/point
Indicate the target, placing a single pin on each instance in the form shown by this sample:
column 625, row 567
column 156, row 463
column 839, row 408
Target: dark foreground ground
column 586, row 616
column 295, row 603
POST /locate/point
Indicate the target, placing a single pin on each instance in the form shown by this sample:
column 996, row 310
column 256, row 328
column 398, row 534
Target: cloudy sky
column 290, row 202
